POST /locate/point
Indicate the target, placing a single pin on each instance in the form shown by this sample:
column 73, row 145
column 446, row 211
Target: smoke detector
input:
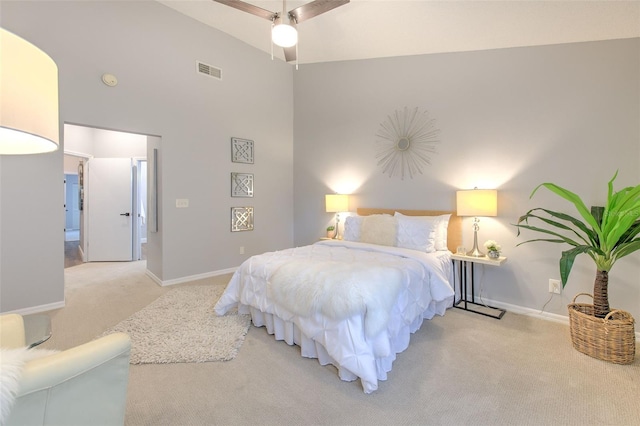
column 109, row 79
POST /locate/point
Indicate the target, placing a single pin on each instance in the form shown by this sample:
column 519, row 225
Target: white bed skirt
column 288, row 332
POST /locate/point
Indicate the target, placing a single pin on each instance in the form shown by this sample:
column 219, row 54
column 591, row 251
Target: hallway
column 72, row 255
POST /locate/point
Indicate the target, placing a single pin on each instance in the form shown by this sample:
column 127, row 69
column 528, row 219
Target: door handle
column 125, row 214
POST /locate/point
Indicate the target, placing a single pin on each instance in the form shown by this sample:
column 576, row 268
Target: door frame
column 136, row 237
column 137, row 214
column 83, row 225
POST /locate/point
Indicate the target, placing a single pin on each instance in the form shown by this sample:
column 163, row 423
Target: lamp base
column 475, row 252
column 335, row 234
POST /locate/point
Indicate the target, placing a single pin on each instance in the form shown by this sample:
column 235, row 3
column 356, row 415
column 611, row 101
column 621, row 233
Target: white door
column 109, row 211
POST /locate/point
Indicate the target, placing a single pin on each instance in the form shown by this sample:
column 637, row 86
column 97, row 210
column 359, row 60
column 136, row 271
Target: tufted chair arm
column 84, row 385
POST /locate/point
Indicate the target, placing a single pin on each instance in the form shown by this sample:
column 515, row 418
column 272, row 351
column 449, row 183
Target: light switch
column 182, row 203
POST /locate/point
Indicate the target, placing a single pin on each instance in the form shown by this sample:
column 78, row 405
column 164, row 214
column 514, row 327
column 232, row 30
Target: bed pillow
column 441, row 226
column 441, row 231
column 352, row 228
column 416, row 233
column 379, row 229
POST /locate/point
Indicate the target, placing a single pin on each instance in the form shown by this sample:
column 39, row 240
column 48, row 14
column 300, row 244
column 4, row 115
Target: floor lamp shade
column 335, row 203
column 28, row 98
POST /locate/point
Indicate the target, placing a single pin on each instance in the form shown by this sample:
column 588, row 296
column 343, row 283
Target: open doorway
column 71, row 208
column 72, row 252
column 99, row 158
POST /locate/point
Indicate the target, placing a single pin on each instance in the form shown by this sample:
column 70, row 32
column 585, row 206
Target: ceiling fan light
column 284, row 35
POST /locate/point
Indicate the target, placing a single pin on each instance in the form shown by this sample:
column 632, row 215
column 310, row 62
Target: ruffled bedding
column 343, row 335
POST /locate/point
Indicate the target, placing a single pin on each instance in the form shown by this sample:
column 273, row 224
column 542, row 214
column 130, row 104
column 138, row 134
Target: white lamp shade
column 335, row 203
column 28, row 98
column 477, row 202
column 284, row 35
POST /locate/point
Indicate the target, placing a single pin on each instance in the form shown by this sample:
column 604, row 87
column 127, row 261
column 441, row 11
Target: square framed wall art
column 242, row 184
column 241, row 151
column 241, row 219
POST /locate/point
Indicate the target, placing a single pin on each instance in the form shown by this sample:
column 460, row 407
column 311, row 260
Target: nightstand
column 466, row 275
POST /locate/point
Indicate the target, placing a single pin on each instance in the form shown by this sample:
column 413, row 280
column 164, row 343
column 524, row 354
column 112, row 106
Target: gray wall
column 153, row 52
column 510, row 119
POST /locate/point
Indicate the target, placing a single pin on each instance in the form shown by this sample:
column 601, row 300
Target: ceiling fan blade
column 290, row 53
column 315, row 8
column 249, row 8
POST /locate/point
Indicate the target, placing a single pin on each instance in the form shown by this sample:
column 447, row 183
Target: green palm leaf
column 573, row 198
column 578, row 224
column 567, row 259
column 627, row 248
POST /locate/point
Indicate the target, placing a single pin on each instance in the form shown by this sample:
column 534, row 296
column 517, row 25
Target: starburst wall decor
column 405, row 142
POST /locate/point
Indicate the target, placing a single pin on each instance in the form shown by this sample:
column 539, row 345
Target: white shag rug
column 181, row 326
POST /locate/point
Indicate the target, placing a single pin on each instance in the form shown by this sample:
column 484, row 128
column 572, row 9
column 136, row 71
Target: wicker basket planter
column 609, row 339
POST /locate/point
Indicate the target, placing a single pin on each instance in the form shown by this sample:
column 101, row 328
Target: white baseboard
column 37, row 309
column 190, row 277
column 536, row 313
column 153, row 277
column 82, row 256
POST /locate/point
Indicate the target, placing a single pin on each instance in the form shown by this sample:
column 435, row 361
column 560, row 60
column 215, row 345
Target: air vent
column 209, row 70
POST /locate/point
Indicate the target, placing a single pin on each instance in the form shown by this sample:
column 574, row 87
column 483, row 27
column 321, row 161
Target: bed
column 355, row 302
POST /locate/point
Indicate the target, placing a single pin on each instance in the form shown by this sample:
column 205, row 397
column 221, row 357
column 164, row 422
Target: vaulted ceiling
column 384, row 28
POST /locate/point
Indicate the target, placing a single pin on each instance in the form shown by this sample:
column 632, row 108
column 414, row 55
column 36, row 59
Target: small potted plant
column 493, row 249
column 331, row 230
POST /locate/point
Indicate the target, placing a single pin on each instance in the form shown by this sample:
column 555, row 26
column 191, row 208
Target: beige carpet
column 181, row 326
column 460, row 369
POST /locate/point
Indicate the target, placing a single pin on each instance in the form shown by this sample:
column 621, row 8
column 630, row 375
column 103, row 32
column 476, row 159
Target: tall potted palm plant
column 606, row 234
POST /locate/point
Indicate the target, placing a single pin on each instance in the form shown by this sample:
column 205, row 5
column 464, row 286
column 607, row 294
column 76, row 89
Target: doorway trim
column 135, row 159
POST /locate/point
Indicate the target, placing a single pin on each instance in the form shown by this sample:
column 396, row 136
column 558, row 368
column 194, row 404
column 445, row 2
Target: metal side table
column 466, row 273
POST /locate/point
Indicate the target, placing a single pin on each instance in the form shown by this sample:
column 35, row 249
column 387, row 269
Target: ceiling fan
column 283, row 31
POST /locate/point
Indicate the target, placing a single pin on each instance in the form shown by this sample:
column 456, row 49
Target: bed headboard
column 454, row 231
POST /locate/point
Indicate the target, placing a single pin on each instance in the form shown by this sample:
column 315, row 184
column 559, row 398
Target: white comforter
column 425, row 289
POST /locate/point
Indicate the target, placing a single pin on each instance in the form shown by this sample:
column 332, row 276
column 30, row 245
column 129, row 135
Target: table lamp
column 336, row 203
column 28, row 98
column 475, row 203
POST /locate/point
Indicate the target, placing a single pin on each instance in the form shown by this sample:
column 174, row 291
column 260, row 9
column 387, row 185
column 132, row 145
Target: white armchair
column 84, row 385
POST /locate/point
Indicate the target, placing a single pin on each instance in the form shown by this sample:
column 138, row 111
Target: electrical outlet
column 182, row 203
column 241, row 249
column 555, row 286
